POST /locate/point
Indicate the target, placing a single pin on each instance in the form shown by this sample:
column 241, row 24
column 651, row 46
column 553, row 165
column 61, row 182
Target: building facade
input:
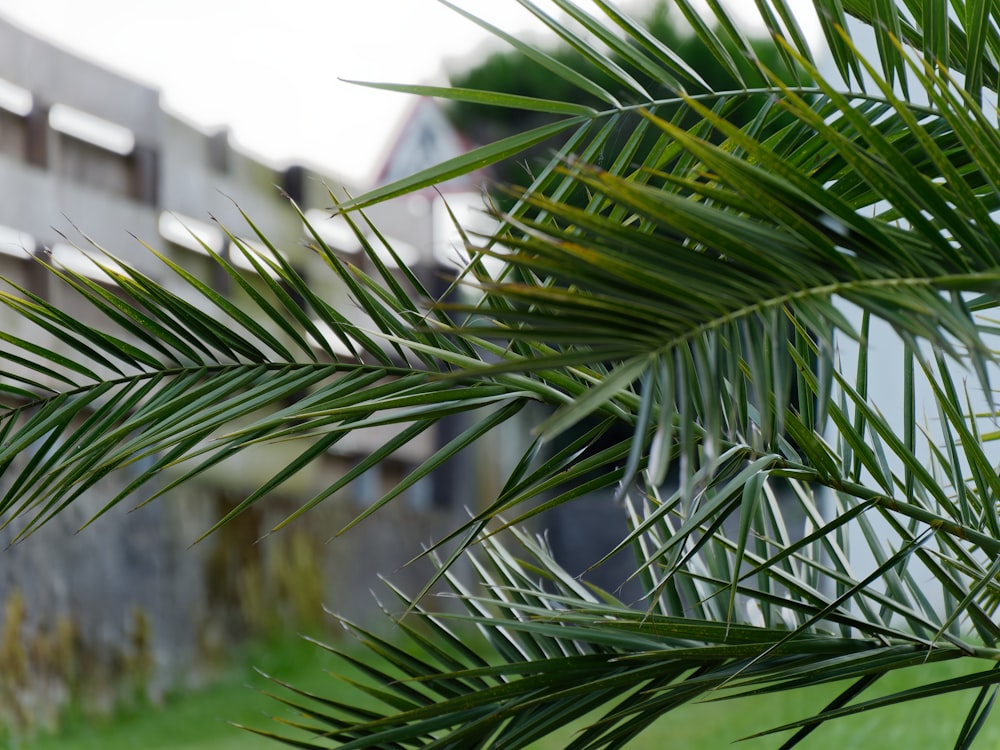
column 89, row 156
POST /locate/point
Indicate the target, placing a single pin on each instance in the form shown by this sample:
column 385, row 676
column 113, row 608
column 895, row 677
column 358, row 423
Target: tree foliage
column 726, row 295
column 512, row 72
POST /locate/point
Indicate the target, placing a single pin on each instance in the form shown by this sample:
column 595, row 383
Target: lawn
column 199, row 720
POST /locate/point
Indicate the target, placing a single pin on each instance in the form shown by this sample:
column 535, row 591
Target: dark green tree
column 517, row 73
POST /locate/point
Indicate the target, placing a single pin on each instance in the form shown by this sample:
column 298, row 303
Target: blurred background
column 161, row 121
column 271, row 72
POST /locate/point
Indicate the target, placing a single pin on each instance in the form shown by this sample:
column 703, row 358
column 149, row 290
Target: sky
column 272, row 71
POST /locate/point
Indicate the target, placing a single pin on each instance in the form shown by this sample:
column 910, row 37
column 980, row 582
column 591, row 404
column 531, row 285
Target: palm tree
column 725, row 295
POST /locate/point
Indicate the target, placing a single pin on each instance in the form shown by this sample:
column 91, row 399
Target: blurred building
column 89, row 155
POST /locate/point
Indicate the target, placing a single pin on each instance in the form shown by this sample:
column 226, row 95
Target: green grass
column 198, row 720
column 930, row 723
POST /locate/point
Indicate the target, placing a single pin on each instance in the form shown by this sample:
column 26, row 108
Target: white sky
column 270, row 70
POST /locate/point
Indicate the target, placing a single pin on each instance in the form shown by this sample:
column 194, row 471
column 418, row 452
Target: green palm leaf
column 709, row 272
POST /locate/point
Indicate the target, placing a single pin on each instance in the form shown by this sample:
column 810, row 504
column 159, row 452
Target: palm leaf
column 554, row 652
column 714, row 283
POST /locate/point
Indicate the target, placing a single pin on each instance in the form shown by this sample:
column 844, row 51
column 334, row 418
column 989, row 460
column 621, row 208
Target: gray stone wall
column 128, row 605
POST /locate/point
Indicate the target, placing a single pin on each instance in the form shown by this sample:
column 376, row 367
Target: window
column 16, row 104
column 103, row 154
column 88, row 128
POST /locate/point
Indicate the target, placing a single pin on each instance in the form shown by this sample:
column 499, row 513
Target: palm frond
column 700, row 288
column 552, row 651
